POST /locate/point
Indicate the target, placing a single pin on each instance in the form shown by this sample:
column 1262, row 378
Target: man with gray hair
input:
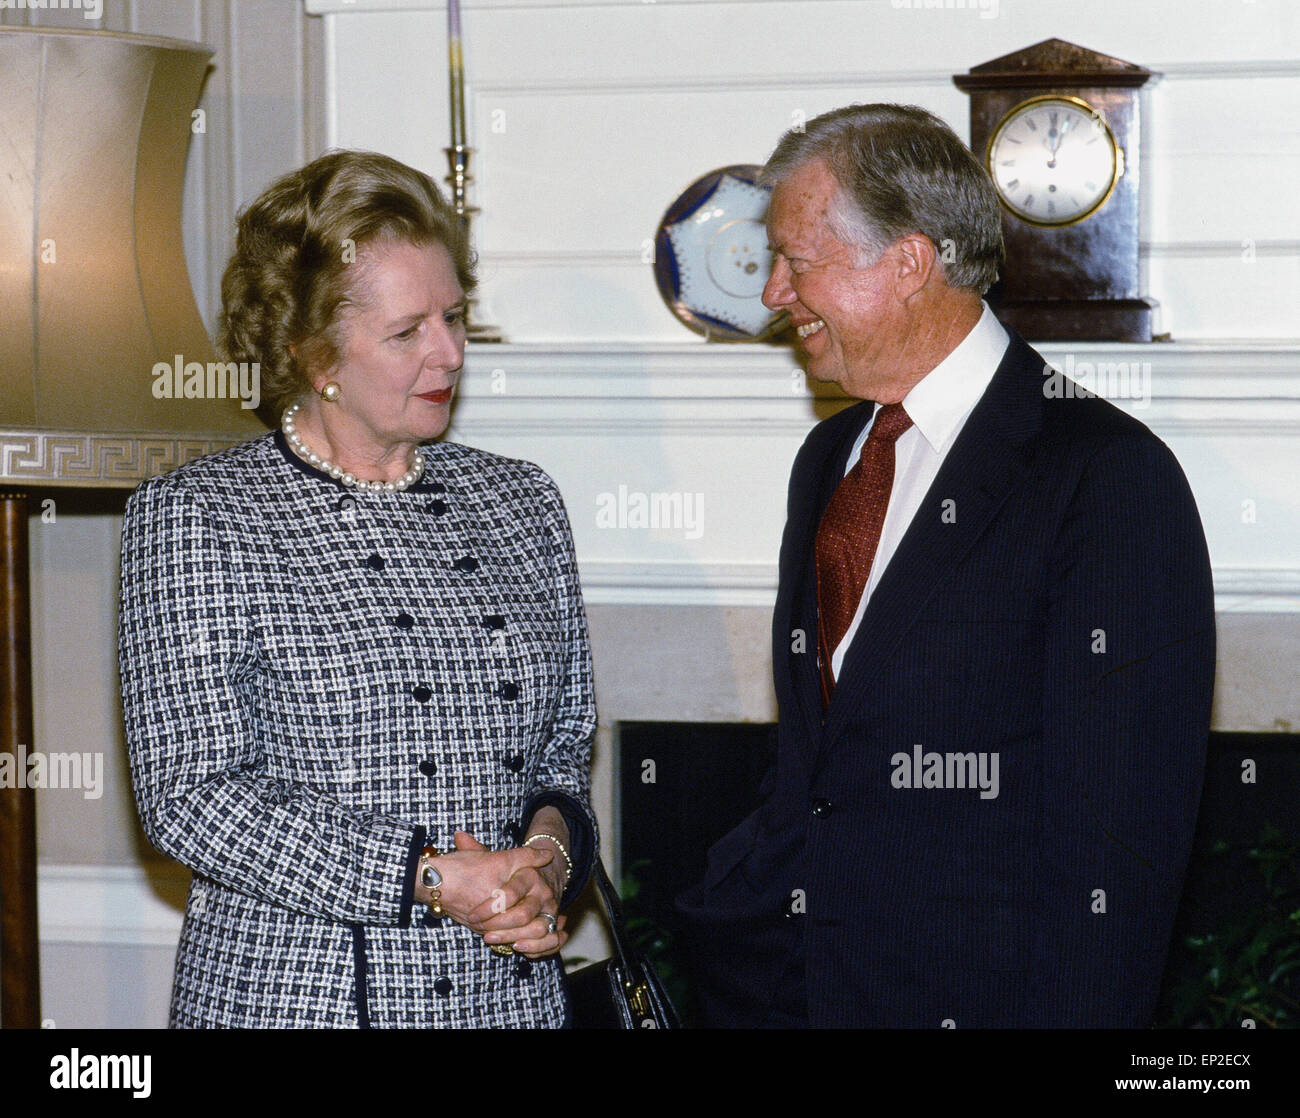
column 993, row 642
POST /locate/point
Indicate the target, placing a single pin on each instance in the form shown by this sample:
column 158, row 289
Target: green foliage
column 1248, row 967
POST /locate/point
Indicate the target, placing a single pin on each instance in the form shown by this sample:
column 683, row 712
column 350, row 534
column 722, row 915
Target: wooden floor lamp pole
column 20, row 989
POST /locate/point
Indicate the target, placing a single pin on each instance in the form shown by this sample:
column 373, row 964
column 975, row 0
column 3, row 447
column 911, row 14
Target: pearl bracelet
column 568, row 862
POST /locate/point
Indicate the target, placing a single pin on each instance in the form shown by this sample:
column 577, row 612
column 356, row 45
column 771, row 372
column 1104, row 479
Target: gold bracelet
column 568, row 862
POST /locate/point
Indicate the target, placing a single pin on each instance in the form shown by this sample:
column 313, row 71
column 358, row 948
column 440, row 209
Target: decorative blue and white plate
column 712, row 259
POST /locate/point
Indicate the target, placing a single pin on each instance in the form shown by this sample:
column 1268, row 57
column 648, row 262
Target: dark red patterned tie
column 849, row 533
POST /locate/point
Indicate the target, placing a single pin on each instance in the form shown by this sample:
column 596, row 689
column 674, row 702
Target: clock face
column 1054, row 160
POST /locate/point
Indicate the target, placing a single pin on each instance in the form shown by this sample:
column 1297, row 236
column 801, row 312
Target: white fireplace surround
column 722, row 423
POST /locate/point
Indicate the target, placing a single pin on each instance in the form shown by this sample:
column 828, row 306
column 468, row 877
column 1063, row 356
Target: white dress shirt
column 939, row 405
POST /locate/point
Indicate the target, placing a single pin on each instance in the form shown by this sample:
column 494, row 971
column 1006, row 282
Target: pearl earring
column 331, row 392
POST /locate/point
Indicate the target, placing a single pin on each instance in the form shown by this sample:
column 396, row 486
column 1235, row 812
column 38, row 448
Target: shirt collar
column 939, row 403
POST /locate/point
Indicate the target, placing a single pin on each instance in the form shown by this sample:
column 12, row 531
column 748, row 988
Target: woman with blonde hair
column 355, row 670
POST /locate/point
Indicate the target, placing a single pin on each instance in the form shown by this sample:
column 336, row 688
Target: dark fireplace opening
column 683, row 785
column 1234, row 931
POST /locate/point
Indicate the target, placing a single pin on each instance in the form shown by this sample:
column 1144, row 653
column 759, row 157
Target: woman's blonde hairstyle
column 295, row 260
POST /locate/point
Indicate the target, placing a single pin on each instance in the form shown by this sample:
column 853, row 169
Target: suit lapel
column 980, row 472
column 797, row 605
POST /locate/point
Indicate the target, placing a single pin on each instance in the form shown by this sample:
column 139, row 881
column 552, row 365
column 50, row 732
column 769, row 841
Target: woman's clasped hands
column 509, row 897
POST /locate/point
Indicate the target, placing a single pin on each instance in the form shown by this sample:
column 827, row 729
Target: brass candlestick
column 459, row 180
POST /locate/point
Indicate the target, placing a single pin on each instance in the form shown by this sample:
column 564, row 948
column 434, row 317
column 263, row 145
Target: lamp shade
column 95, row 298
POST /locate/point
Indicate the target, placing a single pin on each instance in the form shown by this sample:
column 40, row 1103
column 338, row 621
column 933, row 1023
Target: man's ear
column 917, row 258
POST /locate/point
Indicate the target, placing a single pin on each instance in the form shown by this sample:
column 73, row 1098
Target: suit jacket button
column 375, row 562
column 404, row 621
column 516, row 763
column 428, row 767
column 437, row 507
column 442, row 987
column 466, row 563
column 510, row 692
column 421, row 693
column 524, row 970
column 822, row 808
column 494, row 621
column 347, row 503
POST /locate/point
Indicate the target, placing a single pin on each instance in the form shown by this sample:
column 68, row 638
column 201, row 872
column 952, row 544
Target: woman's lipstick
column 442, row 396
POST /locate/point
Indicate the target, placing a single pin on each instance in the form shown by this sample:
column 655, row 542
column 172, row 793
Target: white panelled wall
column 588, row 118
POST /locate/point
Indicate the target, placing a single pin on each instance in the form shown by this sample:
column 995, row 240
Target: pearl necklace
column 309, row 456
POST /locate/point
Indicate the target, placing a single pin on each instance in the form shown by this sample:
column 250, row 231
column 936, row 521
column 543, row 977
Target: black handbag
column 622, row 992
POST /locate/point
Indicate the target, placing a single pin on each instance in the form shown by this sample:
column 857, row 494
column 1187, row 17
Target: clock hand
column 1053, row 141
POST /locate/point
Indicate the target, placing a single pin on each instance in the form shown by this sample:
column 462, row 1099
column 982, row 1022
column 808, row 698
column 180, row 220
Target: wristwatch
column 431, row 879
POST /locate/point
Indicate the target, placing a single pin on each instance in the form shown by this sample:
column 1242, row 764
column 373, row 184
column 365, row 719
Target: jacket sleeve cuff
column 582, row 844
column 408, row 877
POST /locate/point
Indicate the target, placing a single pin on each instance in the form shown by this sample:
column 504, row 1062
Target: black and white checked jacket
column 315, row 682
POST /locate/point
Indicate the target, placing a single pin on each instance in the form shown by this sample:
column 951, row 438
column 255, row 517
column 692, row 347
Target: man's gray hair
column 901, row 170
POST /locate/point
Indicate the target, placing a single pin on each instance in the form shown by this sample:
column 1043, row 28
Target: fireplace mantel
column 725, row 421
column 584, row 130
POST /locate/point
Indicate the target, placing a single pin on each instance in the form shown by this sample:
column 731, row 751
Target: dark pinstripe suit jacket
column 1061, row 617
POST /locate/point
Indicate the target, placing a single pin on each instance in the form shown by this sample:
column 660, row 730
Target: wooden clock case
column 1077, row 282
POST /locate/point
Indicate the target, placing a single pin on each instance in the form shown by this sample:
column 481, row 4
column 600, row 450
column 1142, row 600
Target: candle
column 456, row 73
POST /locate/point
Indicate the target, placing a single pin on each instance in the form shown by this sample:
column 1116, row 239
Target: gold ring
column 502, row 948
